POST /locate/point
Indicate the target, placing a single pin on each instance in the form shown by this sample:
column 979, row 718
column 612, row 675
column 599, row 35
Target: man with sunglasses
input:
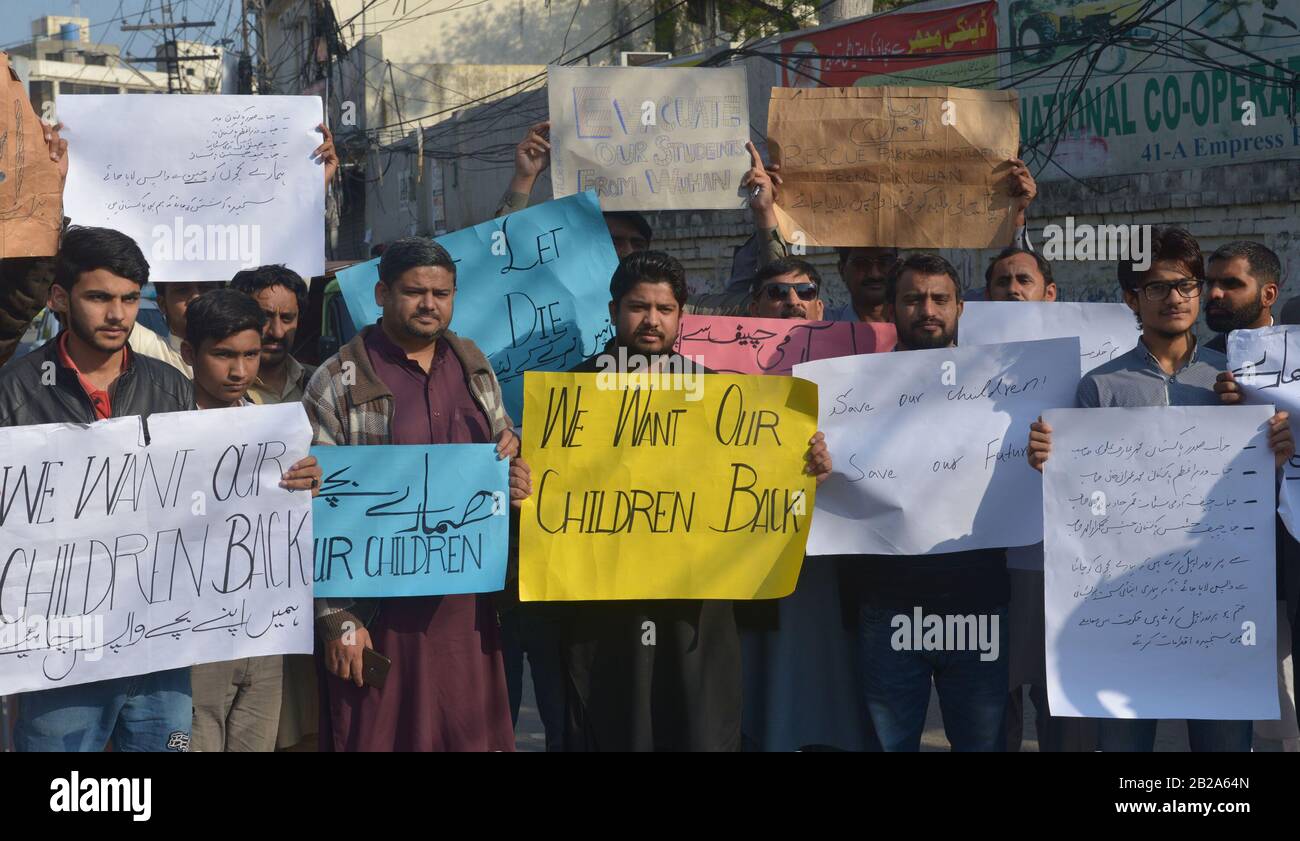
column 1167, row 368
column 798, row 657
column 787, row 289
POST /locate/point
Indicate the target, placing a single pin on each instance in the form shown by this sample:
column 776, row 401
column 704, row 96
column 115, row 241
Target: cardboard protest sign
column 411, row 521
column 775, row 345
column 929, row 446
column 217, row 184
column 532, row 289
column 124, row 557
column 894, row 166
column 1160, row 572
column 650, row 138
column 672, row 485
column 31, row 186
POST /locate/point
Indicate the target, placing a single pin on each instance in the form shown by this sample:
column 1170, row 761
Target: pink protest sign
column 727, row 344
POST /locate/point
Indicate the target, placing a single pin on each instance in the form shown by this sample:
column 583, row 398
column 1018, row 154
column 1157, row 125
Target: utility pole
column 246, row 55
column 168, row 27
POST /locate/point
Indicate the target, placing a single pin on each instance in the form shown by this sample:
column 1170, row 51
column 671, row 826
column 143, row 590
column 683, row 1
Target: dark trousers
column 1056, row 734
column 526, row 630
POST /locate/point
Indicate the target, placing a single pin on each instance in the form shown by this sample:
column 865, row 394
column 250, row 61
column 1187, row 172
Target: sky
column 106, row 19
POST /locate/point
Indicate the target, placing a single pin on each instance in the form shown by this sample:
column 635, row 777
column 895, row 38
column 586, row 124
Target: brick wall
column 1258, row 201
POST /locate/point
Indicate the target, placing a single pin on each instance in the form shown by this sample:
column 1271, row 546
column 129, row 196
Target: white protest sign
column 650, row 138
column 1105, row 331
column 1161, row 585
column 205, row 185
column 929, row 446
column 1268, row 371
column 121, row 558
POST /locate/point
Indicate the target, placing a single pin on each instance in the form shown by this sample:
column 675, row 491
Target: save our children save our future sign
column 129, row 547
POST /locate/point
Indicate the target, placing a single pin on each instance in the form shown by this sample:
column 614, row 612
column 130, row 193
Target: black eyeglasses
column 1160, row 290
column 778, row 291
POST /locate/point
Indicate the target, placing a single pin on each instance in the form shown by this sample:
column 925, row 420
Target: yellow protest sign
column 643, row 490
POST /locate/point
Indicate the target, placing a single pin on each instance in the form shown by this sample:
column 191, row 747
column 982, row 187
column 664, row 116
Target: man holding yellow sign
column 663, row 492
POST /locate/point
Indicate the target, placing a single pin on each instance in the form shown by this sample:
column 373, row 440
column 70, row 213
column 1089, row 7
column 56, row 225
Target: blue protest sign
column 532, row 289
column 410, row 521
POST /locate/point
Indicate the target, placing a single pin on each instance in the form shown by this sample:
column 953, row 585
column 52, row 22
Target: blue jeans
column 972, row 692
column 149, row 712
column 1138, row 735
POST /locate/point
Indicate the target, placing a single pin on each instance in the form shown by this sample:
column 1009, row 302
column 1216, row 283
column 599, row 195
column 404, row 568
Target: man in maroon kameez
column 410, row 380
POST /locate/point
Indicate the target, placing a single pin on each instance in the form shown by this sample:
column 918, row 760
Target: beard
column 915, row 339
column 92, row 337
column 870, row 292
column 651, row 344
column 1226, row 320
column 423, row 332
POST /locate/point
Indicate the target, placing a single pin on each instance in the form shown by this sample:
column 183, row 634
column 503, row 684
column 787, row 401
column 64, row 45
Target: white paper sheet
column 205, row 185
column 1160, row 577
column 650, row 138
column 928, row 446
column 1266, row 363
column 1105, row 331
column 125, row 559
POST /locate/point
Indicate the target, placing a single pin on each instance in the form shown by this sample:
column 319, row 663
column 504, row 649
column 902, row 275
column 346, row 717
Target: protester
column 787, row 289
column 1243, row 283
column 799, row 660
column 628, row 230
column 924, row 300
column 174, row 298
column 1167, row 368
column 410, row 380
column 282, row 296
column 237, row 702
column 25, row 281
column 683, row 692
column 1019, row 275
column 529, row 630
column 97, row 281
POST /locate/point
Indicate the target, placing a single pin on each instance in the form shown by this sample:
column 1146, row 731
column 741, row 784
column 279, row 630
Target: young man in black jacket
column 85, row 375
column 682, row 693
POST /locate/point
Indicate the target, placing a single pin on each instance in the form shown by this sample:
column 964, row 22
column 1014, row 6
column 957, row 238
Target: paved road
column 1170, row 735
